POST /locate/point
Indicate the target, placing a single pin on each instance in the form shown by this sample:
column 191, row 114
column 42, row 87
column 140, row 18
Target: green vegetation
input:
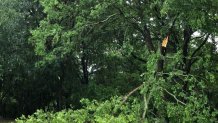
column 87, row 61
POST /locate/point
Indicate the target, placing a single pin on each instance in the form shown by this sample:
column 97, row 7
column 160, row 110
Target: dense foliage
column 104, row 61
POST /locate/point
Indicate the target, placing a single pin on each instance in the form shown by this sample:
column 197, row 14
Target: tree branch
column 131, row 92
column 147, row 37
column 102, row 21
column 202, row 44
column 174, row 97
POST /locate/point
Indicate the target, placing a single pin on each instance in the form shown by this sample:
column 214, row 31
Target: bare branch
column 174, row 97
column 110, row 16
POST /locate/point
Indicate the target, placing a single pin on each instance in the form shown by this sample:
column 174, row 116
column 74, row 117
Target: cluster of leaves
column 110, row 111
column 115, row 110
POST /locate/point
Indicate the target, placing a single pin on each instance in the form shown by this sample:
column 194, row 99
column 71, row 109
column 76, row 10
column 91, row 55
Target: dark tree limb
column 201, row 45
column 187, row 38
column 147, row 38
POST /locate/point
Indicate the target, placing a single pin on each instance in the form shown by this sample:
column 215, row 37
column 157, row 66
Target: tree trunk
column 85, row 79
column 84, row 64
column 187, row 37
column 187, row 62
column 160, row 63
column 147, row 37
column 60, row 99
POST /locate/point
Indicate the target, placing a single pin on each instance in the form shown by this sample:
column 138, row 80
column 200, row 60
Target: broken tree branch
column 131, row 92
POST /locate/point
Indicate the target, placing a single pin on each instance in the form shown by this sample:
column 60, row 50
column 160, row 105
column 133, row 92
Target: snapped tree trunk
column 160, row 63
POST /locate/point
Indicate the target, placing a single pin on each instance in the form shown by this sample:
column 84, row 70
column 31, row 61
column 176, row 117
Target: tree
column 85, row 48
column 17, row 56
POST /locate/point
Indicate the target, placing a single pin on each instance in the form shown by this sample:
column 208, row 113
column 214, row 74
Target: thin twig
column 110, row 16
